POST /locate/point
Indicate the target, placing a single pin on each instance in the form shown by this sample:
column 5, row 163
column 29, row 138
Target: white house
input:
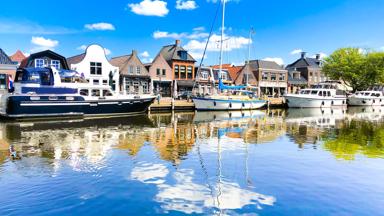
column 95, row 67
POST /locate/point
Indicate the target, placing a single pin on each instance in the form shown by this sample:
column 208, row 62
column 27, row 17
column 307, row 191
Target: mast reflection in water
column 278, row 162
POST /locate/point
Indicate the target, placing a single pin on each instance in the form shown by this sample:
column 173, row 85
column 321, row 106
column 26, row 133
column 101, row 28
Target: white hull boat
column 366, row 98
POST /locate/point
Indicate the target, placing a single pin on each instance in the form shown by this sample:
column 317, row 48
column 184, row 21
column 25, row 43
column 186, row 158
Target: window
column 183, row 54
column 314, row 92
column 138, row 69
column 223, row 76
column 130, row 69
column 96, row 82
column 84, row 92
column 182, row 72
column 145, row 87
column 164, row 72
column 55, row 63
column 96, row 92
column 264, row 76
column 177, row 72
column 107, row 93
column 204, row 75
column 189, row 72
column 282, row 77
column 105, row 82
column 158, row 71
column 39, row 63
column 96, row 68
column 273, row 76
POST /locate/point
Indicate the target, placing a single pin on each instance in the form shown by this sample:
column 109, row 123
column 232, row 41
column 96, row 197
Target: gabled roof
column 4, row 58
column 75, row 59
column 171, row 53
column 120, row 61
column 305, row 62
column 256, row 64
column 46, row 53
column 232, row 70
column 18, row 56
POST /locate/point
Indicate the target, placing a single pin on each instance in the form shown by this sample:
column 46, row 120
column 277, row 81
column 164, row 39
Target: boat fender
column 243, row 105
column 374, row 101
column 332, row 103
column 322, row 103
column 214, row 103
column 230, row 105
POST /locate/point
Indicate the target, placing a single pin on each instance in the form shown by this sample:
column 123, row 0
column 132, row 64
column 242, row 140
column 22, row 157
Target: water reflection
column 195, row 162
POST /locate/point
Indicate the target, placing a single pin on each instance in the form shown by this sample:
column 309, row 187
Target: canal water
column 277, row 162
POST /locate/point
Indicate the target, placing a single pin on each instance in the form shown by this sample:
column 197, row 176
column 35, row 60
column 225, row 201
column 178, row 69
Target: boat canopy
column 226, row 87
column 43, row 76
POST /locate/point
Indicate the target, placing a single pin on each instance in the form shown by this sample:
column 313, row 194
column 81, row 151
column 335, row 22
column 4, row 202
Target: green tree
column 357, row 68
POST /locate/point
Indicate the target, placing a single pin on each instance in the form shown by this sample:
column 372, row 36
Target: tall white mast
column 249, row 54
column 222, row 38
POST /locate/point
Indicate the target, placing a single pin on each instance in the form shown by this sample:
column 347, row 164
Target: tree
column 360, row 69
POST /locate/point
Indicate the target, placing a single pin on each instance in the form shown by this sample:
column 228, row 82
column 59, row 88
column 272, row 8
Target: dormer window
column 55, row 63
column 183, row 55
column 39, row 63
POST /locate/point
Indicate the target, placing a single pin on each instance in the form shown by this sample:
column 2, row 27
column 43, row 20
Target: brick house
column 310, row 69
column 269, row 77
column 161, row 76
column 18, row 57
column 182, row 64
column 134, row 76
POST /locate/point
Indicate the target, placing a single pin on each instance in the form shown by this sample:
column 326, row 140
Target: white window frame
column 38, row 60
column 55, row 63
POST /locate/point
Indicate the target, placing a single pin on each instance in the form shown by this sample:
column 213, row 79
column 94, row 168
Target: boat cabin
column 315, row 92
column 369, row 93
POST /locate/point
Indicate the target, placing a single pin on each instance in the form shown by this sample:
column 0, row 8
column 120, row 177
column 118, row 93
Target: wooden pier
column 170, row 104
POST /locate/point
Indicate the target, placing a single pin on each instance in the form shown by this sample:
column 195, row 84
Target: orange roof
column 18, row 56
column 233, row 70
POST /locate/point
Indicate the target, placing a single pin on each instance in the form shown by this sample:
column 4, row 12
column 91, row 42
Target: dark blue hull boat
column 65, row 106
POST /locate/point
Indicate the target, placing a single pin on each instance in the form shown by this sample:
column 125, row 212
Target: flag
column 10, row 82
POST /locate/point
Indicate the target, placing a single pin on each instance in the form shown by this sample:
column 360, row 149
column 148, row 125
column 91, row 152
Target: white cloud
column 200, row 28
column 102, row 26
column 107, row 51
column 173, row 35
column 197, row 55
column 186, row 5
column 82, row 47
column 296, row 51
column 150, row 8
column 278, row 60
column 230, row 43
column 43, row 44
column 382, row 48
column 144, row 54
column 164, row 34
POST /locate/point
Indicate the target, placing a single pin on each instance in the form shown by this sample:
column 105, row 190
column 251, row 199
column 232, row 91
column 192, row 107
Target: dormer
column 182, row 54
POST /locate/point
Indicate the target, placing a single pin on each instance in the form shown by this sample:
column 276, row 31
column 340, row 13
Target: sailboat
column 228, row 97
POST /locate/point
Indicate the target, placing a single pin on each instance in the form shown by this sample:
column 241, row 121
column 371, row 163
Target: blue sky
column 282, row 27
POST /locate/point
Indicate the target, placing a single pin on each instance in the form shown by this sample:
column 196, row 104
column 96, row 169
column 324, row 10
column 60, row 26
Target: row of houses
column 172, row 71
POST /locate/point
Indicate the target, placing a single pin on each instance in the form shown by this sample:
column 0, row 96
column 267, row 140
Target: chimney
column 178, row 42
column 303, row 54
column 134, row 52
column 317, row 56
